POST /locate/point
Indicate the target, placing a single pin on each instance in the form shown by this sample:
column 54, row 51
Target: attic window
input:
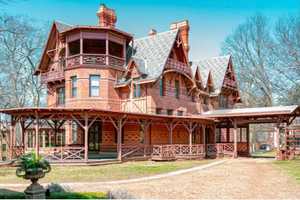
column 115, row 49
column 74, row 47
column 94, row 46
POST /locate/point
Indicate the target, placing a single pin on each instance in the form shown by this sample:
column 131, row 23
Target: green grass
column 103, row 173
column 264, row 153
column 291, row 167
column 57, row 195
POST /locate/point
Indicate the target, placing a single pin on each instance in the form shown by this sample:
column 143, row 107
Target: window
column 161, row 87
column 177, row 88
column 94, row 46
column 158, row 111
column 223, row 101
column 94, row 85
column 115, row 49
column 74, row 86
column 61, row 96
column 74, row 132
column 137, row 90
column 170, row 112
column 179, row 113
column 74, row 47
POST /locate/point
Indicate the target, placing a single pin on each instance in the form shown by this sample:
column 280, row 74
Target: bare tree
column 287, row 35
column 20, row 47
column 251, row 47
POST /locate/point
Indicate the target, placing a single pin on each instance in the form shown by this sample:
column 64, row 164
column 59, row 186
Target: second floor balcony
column 178, row 66
column 52, row 76
column 94, row 59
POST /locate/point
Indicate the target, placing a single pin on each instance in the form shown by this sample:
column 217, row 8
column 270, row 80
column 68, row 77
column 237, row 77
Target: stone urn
column 33, row 169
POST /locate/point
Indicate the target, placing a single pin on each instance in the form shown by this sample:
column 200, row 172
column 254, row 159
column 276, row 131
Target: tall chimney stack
column 106, row 16
column 184, row 28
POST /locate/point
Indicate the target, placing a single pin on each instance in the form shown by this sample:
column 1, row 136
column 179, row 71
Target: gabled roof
column 61, row 26
column 217, row 66
column 151, row 53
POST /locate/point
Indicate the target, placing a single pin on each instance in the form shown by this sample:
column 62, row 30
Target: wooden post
column 44, row 139
column 37, row 145
column 277, row 139
column 171, row 133
column 119, row 139
column 235, row 153
column 11, row 136
column 86, row 139
column 204, row 140
column 248, row 139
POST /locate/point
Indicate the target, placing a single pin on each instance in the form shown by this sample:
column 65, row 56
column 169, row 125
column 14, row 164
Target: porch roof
column 254, row 112
column 45, row 112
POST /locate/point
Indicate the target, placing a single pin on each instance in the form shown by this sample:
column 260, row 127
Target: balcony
column 178, row 66
column 52, row 76
column 95, row 60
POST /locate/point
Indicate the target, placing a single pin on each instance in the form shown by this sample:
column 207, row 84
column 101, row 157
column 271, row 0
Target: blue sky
column 210, row 20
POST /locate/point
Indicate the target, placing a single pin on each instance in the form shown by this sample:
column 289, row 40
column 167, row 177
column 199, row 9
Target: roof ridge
column 157, row 34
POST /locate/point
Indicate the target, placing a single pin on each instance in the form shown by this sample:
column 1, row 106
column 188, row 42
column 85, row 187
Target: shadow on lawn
column 10, row 194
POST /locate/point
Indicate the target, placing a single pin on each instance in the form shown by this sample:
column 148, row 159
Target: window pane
column 161, row 87
column 74, row 86
column 94, row 85
column 61, row 96
column 177, row 89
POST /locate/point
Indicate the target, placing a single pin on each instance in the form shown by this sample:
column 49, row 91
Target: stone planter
column 35, row 190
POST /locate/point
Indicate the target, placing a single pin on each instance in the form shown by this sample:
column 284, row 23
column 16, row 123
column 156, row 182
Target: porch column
column 119, row 139
column 37, row 146
column 44, row 139
column 248, row 139
column 235, row 138
column 86, row 132
column 11, row 137
column 204, row 139
column 277, row 139
column 171, row 133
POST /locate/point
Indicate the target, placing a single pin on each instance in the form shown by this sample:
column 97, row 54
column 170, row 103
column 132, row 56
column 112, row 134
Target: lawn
column 291, row 167
column 264, row 153
column 122, row 171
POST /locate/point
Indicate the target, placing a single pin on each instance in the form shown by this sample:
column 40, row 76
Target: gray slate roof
column 217, row 66
column 151, row 53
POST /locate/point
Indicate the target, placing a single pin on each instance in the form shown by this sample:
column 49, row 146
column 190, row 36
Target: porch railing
column 179, row 66
column 59, row 154
column 136, row 150
column 220, row 149
column 177, row 151
column 95, row 59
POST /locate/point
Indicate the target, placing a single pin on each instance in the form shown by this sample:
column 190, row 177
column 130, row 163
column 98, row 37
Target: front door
column 95, row 134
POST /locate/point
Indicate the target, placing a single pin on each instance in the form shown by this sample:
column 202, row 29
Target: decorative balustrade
column 52, row 76
column 59, row 154
column 95, row 59
column 220, row 149
column 177, row 151
column 179, row 66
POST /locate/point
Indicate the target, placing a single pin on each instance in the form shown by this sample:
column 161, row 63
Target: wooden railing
column 52, row 76
column 220, row 149
column 60, row 154
column 136, row 150
column 95, row 59
column 138, row 105
column 179, row 66
column 177, row 151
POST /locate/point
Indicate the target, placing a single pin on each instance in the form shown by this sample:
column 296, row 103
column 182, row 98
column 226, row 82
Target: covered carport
column 237, row 118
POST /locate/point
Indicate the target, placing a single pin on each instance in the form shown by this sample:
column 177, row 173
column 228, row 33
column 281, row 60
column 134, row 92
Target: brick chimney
column 184, row 28
column 106, row 16
column 152, row 32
